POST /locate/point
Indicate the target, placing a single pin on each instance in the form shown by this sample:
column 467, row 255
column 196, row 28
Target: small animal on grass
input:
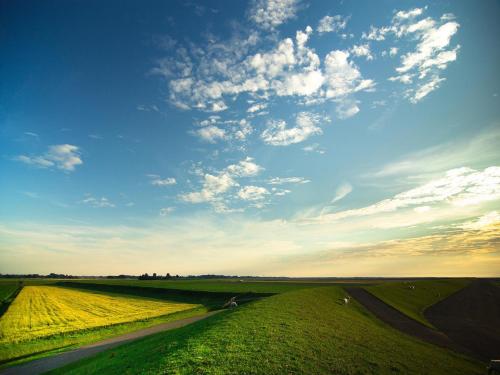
column 347, row 300
column 494, row 367
column 230, row 304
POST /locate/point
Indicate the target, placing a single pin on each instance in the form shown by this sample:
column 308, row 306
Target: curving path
column 42, row 365
column 400, row 321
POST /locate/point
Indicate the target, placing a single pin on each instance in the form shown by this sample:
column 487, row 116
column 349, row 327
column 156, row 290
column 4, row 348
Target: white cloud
column 65, row 157
column 288, row 180
column 330, row 24
column 244, row 168
column 157, row 181
column 315, row 147
column 393, row 51
column 269, row 14
column 211, row 133
column 102, row 202
column 342, row 191
column 278, row 134
column 257, row 107
column 459, row 187
column 216, row 186
column 252, row 193
column 482, row 222
column 346, row 109
column 362, row 50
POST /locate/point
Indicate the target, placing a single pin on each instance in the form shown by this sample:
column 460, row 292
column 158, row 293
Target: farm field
column 413, row 302
column 47, row 317
column 305, row 331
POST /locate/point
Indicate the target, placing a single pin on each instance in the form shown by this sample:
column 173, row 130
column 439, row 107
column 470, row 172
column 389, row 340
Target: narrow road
column 400, row 321
column 42, row 365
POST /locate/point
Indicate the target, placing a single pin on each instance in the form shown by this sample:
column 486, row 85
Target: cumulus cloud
column 65, row 157
column 207, row 79
column 166, row 210
column 362, row 50
column 278, row 134
column 216, row 186
column 269, row 14
column 423, row 66
column 252, row 193
column 330, row 24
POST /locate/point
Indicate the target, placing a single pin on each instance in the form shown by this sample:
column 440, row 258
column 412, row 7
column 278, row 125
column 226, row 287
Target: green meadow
column 308, row 331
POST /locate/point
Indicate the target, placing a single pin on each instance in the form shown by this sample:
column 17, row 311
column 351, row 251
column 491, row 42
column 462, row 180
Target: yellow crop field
column 40, row 311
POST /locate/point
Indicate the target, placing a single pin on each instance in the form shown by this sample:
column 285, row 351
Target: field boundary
column 43, row 365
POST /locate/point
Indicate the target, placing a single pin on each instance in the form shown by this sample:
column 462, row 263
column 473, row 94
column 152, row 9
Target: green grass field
column 413, row 302
column 6, row 290
column 302, row 332
column 44, row 318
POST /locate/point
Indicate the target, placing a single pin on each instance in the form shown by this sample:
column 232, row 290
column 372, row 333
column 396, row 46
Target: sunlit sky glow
column 274, row 137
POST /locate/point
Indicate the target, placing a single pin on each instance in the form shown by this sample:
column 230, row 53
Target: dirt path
column 471, row 317
column 401, row 322
column 42, row 365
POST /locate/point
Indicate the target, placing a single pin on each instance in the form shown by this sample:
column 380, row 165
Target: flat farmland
column 41, row 311
column 6, row 290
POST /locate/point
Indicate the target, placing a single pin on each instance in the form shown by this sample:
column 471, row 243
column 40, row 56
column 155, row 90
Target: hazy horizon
column 292, row 138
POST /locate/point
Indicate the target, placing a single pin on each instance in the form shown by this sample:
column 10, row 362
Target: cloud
column 252, row 193
column 257, row 107
column 208, row 78
column 215, row 187
column 315, row 147
column 459, row 187
column 65, row 157
column 479, row 150
column 330, row 24
column 483, row 222
column 423, row 66
column 157, row 181
column 342, row 191
column 166, row 210
column 31, row 134
column 214, row 130
column 362, row 50
column 288, row 180
column 102, row 202
column 269, row 14
column 244, row 168
column 278, row 134
column 347, row 108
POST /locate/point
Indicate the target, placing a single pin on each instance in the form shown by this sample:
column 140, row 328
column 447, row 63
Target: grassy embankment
column 46, row 318
column 230, row 285
column 302, row 332
column 413, row 302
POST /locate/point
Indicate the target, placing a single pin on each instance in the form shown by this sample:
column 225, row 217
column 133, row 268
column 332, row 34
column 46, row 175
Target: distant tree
column 168, row 276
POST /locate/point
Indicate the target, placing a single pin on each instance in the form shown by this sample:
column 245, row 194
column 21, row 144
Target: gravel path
column 42, row 365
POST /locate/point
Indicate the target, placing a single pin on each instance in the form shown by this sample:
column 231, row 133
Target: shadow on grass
column 210, row 300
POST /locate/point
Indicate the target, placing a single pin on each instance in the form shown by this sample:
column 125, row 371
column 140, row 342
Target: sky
column 269, row 137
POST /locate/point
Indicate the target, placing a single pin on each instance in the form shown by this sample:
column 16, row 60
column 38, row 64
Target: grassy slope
column 6, row 290
column 301, row 332
column 29, row 349
column 225, row 285
column 414, row 302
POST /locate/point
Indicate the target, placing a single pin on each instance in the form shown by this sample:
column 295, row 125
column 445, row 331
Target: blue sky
column 266, row 137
